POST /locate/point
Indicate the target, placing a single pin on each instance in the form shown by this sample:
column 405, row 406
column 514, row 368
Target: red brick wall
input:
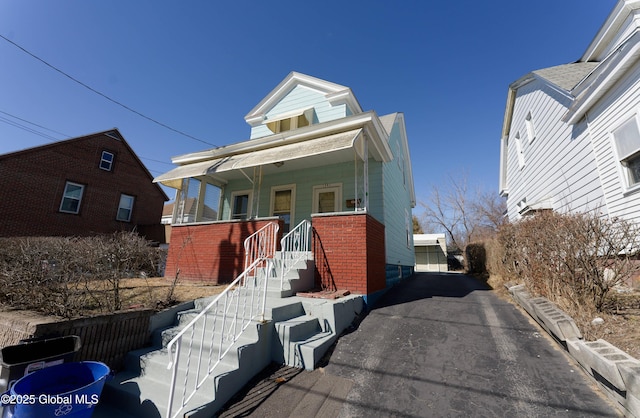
column 349, row 252
column 210, row 252
column 33, row 182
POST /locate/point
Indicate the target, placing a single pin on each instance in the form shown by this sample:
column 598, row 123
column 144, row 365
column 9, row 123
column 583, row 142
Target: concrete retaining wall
column 616, row 372
column 106, row 338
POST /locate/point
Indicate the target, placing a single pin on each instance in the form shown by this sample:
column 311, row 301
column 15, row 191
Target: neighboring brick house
column 82, row 186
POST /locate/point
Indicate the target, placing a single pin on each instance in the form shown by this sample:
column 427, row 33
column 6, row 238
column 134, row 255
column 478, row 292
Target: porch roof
column 315, row 152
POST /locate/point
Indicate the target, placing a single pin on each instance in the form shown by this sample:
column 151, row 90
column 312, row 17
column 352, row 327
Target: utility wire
column 49, row 137
column 34, row 124
column 104, row 95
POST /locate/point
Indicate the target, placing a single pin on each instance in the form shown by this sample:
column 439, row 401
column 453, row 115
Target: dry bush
column 66, row 276
column 574, row 260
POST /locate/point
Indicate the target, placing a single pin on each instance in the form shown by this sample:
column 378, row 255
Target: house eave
column 369, row 121
column 604, row 76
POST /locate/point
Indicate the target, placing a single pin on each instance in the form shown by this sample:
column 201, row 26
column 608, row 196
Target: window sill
column 631, row 190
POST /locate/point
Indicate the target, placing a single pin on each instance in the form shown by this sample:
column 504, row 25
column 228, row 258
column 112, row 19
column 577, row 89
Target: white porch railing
column 295, row 246
column 261, row 244
column 218, row 326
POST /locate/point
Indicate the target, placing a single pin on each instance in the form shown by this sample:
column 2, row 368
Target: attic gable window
column 289, row 121
column 106, row 161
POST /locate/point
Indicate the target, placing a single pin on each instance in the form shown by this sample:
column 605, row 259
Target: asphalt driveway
column 435, row 345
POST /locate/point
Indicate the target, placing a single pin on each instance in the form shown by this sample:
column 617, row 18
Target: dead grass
column 152, row 293
column 621, row 325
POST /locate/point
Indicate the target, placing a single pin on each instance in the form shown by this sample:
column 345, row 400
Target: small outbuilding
column 431, row 252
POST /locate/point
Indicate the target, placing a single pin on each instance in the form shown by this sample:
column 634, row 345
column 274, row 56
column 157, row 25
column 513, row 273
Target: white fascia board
column 604, row 76
column 369, row 121
column 257, row 114
column 511, row 100
column 408, row 165
column 610, row 29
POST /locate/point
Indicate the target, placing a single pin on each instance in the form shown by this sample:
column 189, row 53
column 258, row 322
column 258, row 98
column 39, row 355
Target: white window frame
column 272, row 201
column 129, row 198
column 64, row 197
column 520, row 151
column 623, row 170
column 336, row 187
column 249, row 194
column 109, row 164
column 531, row 130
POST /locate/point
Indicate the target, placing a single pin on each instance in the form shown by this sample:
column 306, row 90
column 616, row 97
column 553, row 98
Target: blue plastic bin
column 64, row 390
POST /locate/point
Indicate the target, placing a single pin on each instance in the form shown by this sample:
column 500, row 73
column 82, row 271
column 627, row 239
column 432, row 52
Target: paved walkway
column 436, row 345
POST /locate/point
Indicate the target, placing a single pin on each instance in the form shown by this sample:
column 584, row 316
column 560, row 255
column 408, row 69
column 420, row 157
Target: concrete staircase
column 297, row 332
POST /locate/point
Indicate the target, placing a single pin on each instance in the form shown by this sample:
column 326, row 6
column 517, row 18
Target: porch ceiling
column 330, row 149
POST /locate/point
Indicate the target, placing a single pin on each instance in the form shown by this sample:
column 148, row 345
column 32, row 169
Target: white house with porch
column 313, row 156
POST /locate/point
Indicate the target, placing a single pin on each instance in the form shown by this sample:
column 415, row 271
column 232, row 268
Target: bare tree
column 463, row 214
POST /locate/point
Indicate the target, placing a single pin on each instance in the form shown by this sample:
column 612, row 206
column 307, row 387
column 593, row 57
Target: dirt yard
column 621, row 325
column 153, row 292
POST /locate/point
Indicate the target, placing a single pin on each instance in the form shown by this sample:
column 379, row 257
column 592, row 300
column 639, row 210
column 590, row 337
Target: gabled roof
column 335, row 93
column 111, row 133
column 566, row 76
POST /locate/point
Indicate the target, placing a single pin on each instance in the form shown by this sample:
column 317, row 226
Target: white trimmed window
column 106, row 160
column 71, row 198
column 627, row 142
column 531, row 130
column 125, row 208
column 327, row 198
column 520, row 151
column 282, row 204
column 290, row 120
column 241, row 204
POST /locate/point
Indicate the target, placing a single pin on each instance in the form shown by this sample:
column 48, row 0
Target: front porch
column 347, row 249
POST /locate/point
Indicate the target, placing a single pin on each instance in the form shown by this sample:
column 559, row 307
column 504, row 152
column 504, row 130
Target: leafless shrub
column 574, row 260
column 66, row 276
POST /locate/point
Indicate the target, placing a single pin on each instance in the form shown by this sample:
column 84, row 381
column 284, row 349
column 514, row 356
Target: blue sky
column 200, row 66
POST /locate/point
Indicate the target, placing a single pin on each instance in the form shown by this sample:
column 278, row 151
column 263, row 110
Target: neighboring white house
column 431, row 252
column 571, row 137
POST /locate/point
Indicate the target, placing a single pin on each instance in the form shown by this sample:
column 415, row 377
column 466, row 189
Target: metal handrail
column 261, row 244
column 238, row 305
column 295, row 246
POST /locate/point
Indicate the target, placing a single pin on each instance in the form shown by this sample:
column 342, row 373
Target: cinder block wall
column 210, row 252
column 349, row 252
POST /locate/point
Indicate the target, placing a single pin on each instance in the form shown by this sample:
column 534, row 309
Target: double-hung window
column 106, row 160
column 71, row 198
column 125, row 208
column 627, row 142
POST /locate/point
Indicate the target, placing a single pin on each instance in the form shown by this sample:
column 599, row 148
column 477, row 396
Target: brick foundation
column 349, row 252
column 210, row 252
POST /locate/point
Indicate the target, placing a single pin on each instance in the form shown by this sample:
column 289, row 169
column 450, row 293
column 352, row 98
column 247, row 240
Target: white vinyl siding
column 613, row 110
column 560, row 166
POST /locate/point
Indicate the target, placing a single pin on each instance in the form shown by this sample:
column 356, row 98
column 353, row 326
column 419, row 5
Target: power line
column 49, row 137
column 104, row 95
column 34, row 124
